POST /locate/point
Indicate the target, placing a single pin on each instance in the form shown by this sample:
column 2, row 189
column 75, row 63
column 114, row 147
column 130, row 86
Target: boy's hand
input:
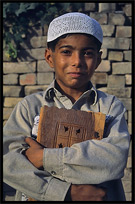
column 87, row 193
column 34, row 153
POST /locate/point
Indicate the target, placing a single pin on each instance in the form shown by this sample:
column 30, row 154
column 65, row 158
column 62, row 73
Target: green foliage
column 18, row 17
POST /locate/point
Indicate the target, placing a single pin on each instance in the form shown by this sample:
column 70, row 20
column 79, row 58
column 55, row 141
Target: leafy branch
column 18, row 17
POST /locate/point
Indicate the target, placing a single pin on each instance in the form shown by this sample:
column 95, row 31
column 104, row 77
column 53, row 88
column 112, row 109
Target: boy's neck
column 73, row 94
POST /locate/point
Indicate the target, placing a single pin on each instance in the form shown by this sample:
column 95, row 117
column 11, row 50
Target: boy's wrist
column 34, row 153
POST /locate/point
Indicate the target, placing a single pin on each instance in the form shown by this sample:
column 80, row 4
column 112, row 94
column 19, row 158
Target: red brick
column 28, row 79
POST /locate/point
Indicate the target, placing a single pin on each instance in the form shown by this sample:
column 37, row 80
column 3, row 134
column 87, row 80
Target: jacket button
column 53, row 172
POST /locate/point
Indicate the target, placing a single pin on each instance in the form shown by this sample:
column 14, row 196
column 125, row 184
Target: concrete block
column 128, row 9
column 130, row 149
column 104, row 66
column 35, row 31
column 45, row 78
column 25, row 44
column 31, row 54
column 128, row 196
column 123, row 31
column 121, row 68
column 130, row 128
column 100, row 17
column 6, row 57
column 11, row 101
column 115, row 56
column 38, row 41
column 11, row 90
column 104, row 53
column 128, row 79
column 89, row 6
column 122, row 43
column 119, row 92
column 127, row 186
column 45, row 30
column 19, row 67
column 43, row 66
column 99, row 78
column 27, row 79
column 128, row 55
column 130, row 44
column 129, row 116
column 6, row 113
column 38, row 53
column 33, row 42
column 129, row 162
column 107, row 7
column 127, row 102
column 126, row 117
column 116, row 19
column 108, row 30
column 4, row 122
column 115, row 81
column 116, row 43
column 127, row 175
column 103, row 89
column 34, row 89
column 10, row 79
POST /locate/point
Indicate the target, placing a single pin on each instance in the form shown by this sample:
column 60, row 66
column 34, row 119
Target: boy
column 87, row 171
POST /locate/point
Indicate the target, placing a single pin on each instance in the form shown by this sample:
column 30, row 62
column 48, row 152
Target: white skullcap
column 74, row 23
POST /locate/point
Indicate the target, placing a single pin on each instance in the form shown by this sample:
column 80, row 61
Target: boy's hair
column 51, row 45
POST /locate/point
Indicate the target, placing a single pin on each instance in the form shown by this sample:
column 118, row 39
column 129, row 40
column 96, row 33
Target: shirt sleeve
column 94, row 161
column 18, row 172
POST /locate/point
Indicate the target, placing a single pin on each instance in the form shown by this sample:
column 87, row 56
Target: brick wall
column 114, row 75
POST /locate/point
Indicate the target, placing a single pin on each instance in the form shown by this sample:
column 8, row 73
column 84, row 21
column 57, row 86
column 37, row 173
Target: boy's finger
column 29, row 141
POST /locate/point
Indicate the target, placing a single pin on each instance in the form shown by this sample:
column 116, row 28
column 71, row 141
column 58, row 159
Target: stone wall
column 114, row 75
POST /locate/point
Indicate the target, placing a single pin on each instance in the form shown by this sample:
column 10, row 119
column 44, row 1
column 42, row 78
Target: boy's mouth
column 76, row 74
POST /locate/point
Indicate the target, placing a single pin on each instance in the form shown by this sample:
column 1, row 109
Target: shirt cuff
column 53, row 162
column 56, row 190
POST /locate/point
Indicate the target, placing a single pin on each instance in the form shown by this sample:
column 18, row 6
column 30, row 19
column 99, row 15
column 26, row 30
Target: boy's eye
column 88, row 53
column 66, row 52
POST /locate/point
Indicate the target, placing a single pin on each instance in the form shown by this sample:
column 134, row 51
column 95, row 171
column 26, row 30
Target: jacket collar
column 51, row 92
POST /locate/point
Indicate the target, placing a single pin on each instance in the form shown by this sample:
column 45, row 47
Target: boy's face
column 74, row 60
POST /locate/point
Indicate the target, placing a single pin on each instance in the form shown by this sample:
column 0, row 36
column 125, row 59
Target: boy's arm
column 22, row 175
column 76, row 192
column 93, row 161
column 18, row 172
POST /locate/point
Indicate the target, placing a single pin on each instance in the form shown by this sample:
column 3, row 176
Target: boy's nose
column 76, row 60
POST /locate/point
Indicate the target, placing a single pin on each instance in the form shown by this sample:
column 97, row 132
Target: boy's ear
column 99, row 59
column 49, row 57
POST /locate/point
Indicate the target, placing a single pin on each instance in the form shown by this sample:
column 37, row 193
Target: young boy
column 86, row 171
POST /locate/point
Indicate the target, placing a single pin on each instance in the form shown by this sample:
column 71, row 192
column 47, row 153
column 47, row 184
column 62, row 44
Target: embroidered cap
column 74, row 22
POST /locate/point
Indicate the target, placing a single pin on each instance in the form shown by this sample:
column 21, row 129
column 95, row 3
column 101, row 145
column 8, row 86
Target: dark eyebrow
column 70, row 46
column 89, row 48
column 66, row 46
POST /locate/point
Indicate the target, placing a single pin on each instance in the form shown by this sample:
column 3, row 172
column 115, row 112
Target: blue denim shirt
column 100, row 162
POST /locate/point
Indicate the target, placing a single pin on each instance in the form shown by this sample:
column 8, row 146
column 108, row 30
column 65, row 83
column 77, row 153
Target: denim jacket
column 99, row 162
